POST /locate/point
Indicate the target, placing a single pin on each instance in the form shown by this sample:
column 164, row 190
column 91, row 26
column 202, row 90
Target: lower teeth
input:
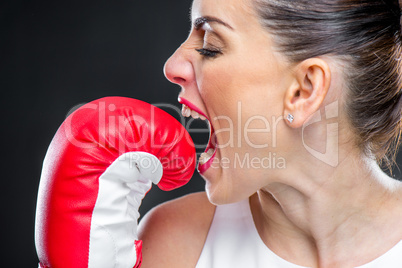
column 204, row 157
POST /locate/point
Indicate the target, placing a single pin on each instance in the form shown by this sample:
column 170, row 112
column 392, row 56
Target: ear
column 312, row 78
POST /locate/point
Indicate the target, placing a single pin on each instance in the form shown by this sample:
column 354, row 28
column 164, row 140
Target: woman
column 304, row 102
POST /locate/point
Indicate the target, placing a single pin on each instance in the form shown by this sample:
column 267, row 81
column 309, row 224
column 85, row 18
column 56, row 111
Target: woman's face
column 229, row 72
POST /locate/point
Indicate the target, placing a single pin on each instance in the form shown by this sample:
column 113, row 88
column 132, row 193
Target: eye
column 211, row 43
column 209, row 53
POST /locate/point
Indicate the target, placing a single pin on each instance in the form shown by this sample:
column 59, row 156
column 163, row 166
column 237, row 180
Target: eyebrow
column 207, row 19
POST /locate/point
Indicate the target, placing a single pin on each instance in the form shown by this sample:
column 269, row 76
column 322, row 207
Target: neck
column 325, row 213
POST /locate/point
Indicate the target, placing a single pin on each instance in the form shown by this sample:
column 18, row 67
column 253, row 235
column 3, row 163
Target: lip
column 192, row 107
column 202, row 167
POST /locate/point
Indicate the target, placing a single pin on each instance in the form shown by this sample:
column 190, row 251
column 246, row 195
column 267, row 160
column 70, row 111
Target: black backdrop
column 57, row 54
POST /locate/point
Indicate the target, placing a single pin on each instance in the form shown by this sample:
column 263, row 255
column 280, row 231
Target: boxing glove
column 98, row 167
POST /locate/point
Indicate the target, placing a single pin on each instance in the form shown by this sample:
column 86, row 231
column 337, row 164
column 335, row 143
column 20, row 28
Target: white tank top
column 233, row 242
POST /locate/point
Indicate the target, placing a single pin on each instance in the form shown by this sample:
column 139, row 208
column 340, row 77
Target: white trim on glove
column 122, row 187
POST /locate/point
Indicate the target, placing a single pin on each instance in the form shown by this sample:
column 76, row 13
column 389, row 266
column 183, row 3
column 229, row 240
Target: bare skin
column 174, row 233
column 322, row 210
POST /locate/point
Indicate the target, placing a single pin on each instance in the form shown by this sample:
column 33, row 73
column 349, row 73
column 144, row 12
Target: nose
column 178, row 68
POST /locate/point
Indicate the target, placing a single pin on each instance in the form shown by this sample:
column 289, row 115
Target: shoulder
column 174, row 232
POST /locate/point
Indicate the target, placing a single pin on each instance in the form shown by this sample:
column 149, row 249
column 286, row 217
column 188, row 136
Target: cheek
column 245, row 101
column 214, row 81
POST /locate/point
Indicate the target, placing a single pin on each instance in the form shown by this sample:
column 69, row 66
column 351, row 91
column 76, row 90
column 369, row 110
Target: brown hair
column 368, row 33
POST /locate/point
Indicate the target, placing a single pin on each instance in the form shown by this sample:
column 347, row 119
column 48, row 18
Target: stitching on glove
column 101, row 227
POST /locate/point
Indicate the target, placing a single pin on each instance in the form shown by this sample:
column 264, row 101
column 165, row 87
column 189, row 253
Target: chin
column 221, row 193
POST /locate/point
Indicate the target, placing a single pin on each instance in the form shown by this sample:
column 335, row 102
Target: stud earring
column 290, row 118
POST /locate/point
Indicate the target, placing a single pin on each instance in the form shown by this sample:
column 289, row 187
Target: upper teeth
column 187, row 112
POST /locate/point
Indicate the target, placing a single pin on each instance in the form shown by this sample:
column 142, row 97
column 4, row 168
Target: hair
column 368, row 34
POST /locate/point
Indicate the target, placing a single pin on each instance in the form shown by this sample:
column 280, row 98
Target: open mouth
column 206, row 158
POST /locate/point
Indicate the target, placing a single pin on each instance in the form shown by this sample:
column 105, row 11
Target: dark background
column 57, row 54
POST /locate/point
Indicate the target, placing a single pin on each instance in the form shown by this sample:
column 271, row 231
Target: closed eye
column 209, row 53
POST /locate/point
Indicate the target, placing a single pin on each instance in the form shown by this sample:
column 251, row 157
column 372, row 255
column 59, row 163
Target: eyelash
column 205, row 52
column 208, row 53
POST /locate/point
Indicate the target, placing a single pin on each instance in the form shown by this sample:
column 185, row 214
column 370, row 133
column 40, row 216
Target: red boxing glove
column 97, row 169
